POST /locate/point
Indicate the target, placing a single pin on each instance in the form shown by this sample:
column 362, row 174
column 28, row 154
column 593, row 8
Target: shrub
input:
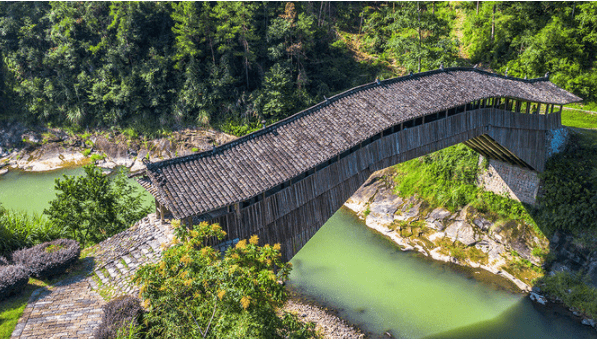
column 13, row 278
column 3, row 261
column 120, row 315
column 93, row 207
column 48, row 259
column 194, row 292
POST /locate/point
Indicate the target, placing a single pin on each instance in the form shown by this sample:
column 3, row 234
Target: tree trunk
column 493, row 25
column 319, row 18
column 419, row 28
column 477, row 7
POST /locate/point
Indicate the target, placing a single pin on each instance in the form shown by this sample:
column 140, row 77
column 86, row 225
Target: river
column 374, row 285
column 32, row 192
column 381, row 289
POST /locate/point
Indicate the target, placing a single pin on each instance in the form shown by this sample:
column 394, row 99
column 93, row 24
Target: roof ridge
column 327, row 102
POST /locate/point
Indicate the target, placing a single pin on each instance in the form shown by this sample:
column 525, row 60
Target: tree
column 93, row 207
column 195, row 292
column 420, row 44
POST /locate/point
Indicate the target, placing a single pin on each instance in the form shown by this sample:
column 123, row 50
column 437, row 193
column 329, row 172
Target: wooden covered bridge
column 283, row 182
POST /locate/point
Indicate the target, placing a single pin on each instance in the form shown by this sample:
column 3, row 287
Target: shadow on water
column 539, row 322
column 371, row 283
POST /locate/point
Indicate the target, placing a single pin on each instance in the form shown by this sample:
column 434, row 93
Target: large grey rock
column 436, row 218
column 383, row 207
column 463, row 232
column 409, row 210
column 538, row 298
column 482, row 223
column 495, row 251
column 112, row 150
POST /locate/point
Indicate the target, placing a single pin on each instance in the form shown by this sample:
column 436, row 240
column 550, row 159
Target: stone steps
column 114, row 274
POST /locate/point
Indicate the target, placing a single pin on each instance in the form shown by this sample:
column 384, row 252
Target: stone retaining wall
column 505, row 179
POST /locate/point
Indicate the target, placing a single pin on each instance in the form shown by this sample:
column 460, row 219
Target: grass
column 579, row 119
column 573, row 290
column 19, row 230
column 447, row 178
column 587, row 106
column 12, row 308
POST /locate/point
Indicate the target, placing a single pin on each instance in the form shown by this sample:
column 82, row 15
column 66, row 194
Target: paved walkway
column 72, row 307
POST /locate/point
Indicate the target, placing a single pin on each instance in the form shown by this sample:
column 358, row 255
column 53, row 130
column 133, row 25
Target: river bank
column 41, row 149
column 327, row 321
column 465, row 237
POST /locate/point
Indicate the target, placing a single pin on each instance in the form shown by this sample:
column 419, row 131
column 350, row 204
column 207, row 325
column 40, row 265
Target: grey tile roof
column 241, row 169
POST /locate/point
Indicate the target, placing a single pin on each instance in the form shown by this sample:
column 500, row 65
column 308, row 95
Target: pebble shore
column 327, row 321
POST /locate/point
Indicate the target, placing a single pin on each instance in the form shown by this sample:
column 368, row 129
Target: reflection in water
column 376, row 286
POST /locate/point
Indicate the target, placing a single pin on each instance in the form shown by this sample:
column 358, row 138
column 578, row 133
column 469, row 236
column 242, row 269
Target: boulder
column 538, row 298
column 112, row 150
column 482, row 223
column 436, row 218
column 137, row 166
column 383, row 207
column 409, row 210
column 463, row 232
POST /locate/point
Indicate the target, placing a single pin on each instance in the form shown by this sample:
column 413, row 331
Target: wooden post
column 538, row 111
column 528, row 110
column 561, row 107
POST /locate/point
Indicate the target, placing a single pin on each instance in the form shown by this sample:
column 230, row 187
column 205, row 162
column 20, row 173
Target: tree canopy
column 233, row 64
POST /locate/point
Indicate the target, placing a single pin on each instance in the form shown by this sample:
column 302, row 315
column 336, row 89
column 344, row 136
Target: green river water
column 373, row 284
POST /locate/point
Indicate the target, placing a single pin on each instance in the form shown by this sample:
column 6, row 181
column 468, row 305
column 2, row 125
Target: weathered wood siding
column 295, row 213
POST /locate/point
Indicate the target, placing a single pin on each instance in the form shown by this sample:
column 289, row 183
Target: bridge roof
column 241, row 169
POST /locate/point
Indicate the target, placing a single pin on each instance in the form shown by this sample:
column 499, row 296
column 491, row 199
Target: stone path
column 72, row 308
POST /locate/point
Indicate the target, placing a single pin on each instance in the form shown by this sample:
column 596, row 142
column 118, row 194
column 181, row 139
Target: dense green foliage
column 415, row 34
column 21, row 230
column 94, row 207
column 194, row 292
column 447, row 178
column 569, row 200
column 533, row 38
column 103, row 63
column 574, row 289
column 233, row 64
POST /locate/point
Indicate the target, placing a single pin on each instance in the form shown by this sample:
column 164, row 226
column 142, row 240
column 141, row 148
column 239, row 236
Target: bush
column 3, row 261
column 194, row 292
column 94, row 207
column 120, row 314
column 48, row 259
column 13, row 278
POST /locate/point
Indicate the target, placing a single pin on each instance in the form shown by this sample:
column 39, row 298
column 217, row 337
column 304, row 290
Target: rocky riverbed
column 511, row 249
column 40, row 149
column 327, row 321
column 466, row 236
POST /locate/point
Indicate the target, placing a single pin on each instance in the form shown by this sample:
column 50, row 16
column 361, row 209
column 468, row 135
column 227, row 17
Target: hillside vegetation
column 231, row 65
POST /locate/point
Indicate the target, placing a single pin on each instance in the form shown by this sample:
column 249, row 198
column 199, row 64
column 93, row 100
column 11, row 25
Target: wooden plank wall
column 294, row 214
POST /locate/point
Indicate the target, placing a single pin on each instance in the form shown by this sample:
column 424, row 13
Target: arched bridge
column 283, row 182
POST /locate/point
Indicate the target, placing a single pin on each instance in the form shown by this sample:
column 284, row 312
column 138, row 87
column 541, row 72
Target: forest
column 230, row 65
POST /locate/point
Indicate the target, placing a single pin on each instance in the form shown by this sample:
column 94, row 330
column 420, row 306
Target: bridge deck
column 252, row 165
